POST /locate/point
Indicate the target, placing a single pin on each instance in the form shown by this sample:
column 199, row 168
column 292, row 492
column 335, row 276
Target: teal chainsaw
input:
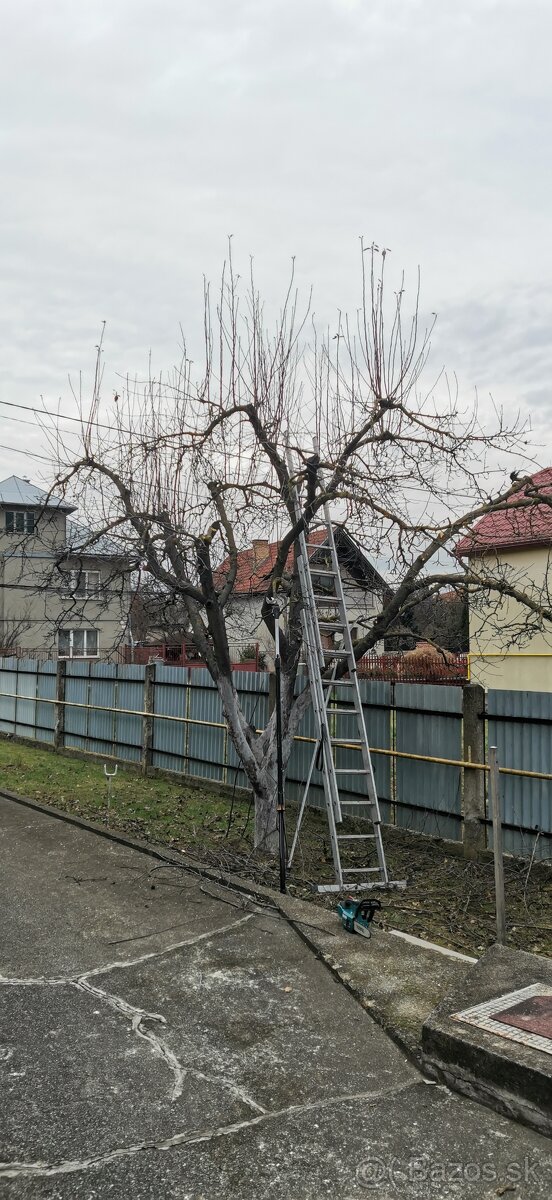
column 357, row 915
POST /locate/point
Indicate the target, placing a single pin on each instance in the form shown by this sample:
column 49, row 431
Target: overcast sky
column 138, row 134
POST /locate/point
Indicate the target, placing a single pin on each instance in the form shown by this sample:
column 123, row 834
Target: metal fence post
column 473, row 794
column 494, row 792
column 16, row 695
column 147, row 725
column 59, row 706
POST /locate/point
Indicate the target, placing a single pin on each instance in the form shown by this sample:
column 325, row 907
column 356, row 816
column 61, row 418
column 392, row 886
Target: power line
column 27, row 453
column 121, row 429
column 47, row 412
column 224, row 453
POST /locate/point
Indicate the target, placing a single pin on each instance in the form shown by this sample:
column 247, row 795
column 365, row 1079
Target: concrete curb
column 512, row 1077
column 343, row 955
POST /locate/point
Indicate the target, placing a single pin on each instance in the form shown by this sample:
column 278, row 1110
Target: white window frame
column 26, row 513
column 86, row 653
column 76, row 585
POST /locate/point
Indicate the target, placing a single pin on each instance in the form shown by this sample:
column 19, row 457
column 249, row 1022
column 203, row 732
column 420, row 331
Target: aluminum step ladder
column 328, row 714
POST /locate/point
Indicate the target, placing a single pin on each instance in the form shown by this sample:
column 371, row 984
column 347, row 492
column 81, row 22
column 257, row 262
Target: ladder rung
column 317, row 571
column 333, row 683
column 349, row 771
column 360, row 804
column 334, row 600
column 335, row 625
column 345, row 741
column 336, row 653
column 390, row 886
column 316, row 546
column 342, row 712
column 355, row 837
column 360, row 870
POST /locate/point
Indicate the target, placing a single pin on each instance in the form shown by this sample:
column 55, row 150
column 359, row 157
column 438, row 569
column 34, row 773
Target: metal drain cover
column 524, row 1016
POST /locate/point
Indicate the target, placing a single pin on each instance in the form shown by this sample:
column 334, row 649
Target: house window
column 322, row 584
column 19, row 521
column 78, row 643
column 81, row 583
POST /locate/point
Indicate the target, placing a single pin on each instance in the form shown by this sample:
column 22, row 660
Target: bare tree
column 184, row 470
column 11, row 631
column 442, row 619
column 156, row 614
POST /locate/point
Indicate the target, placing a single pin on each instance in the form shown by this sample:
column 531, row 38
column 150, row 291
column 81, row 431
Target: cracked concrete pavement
column 164, row 1037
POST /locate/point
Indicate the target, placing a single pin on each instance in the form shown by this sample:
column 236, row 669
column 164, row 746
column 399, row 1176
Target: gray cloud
column 501, row 343
column 138, row 135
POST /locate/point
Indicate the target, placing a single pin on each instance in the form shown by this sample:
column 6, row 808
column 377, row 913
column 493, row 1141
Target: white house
column 364, row 588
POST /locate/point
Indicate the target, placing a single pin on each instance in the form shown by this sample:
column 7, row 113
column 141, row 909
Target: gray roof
column 97, row 544
column 17, row 491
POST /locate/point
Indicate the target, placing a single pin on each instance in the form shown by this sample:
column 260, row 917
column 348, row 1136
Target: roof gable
column 18, row 491
column 254, row 571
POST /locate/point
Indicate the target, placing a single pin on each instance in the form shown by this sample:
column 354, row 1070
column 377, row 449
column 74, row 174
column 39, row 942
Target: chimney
column 260, row 551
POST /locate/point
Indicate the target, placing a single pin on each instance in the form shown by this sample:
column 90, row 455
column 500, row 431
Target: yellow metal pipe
column 126, row 712
column 509, row 654
column 133, row 712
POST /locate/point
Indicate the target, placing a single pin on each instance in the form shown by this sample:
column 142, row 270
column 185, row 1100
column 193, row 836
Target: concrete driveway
column 163, row 1037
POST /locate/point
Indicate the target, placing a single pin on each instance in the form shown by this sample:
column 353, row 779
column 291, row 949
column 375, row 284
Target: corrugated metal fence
column 520, row 726
column 104, row 708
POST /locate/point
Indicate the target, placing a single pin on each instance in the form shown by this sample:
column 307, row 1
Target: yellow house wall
column 494, row 661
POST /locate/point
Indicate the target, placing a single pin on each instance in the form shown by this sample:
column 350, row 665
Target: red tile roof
column 512, row 530
column 254, row 566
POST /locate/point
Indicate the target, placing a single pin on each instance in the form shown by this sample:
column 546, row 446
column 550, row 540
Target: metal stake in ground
column 109, row 776
column 494, row 788
column 280, row 807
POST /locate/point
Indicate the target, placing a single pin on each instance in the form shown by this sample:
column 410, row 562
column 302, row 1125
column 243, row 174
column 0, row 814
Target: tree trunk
column 259, row 756
column 265, row 779
column 266, row 817
column 259, row 764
